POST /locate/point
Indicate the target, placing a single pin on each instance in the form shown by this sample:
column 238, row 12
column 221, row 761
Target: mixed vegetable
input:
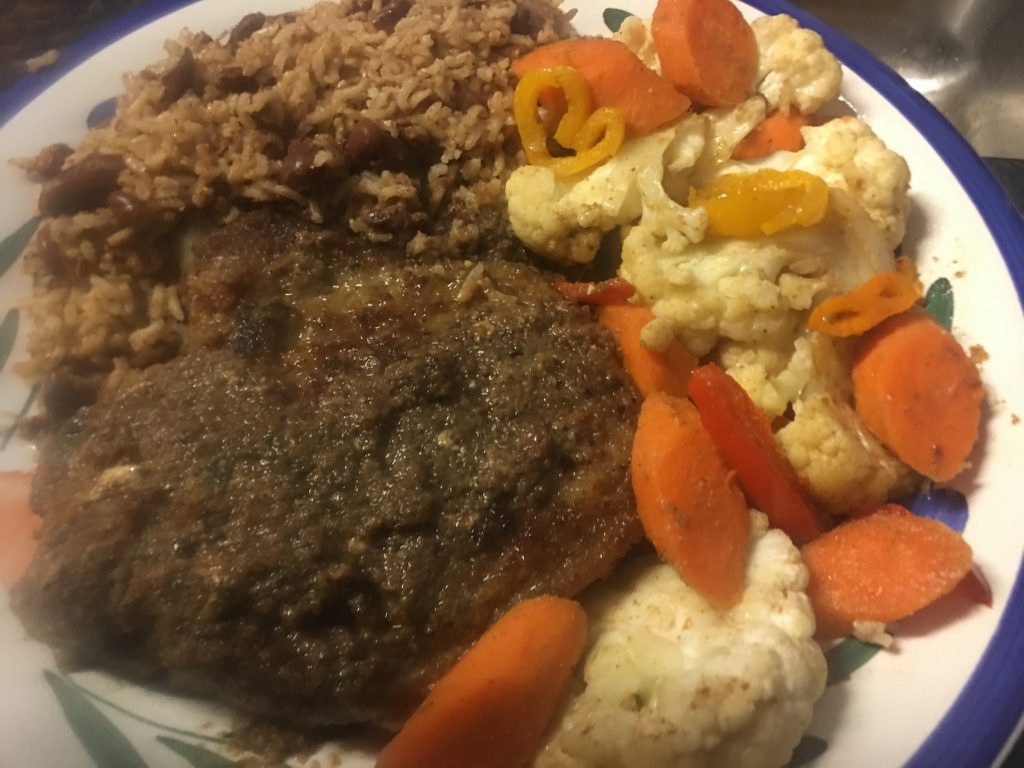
column 492, row 707
column 704, row 450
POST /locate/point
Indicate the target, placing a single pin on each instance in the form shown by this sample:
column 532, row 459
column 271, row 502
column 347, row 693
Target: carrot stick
column 664, row 371
column 492, row 707
column 883, row 567
column 918, row 392
column 18, row 526
column 612, row 291
column 689, row 504
column 706, row 48
column 616, row 77
column 854, row 313
column 777, row 132
column 744, row 438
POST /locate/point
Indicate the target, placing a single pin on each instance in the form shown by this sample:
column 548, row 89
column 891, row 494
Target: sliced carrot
column 492, row 707
column 617, row 78
column 776, row 133
column 883, row 567
column 689, row 504
column 854, row 313
column 18, row 526
column 664, row 371
column 612, row 291
column 744, row 437
column 706, row 48
column 918, row 392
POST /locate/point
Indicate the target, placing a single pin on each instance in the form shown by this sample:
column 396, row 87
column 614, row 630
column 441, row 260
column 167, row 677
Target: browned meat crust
column 355, row 468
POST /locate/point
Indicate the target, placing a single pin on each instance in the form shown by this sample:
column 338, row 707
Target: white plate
column 952, row 691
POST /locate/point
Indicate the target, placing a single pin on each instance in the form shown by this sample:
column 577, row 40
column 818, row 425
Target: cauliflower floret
column 545, row 224
column 565, row 220
column 668, row 680
column 635, row 33
column 772, row 377
column 794, row 68
column 719, row 287
column 753, row 290
column 855, row 247
column 872, row 632
column 727, row 127
column 847, row 154
column 846, row 467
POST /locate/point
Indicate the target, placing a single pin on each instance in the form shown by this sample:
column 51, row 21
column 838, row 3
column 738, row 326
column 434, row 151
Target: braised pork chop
column 357, row 465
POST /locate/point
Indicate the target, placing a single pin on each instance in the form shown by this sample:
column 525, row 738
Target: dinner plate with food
column 505, row 383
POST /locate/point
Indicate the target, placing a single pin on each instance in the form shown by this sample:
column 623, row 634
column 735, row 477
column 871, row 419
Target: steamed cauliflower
column 743, row 302
column 753, row 290
column 544, row 218
column 847, row 154
column 727, row 127
column 774, row 377
column 670, row 681
column 565, row 220
column 846, row 467
column 719, row 287
column 794, row 68
column 756, row 291
column 635, row 34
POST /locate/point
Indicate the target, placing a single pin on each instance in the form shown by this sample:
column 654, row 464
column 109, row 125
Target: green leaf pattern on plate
column 12, row 245
column 13, row 429
column 145, row 720
column 195, row 755
column 613, row 18
column 938, row 302
column 8, row 333
column 11, row 248
column 106, row 745
column 847, row 657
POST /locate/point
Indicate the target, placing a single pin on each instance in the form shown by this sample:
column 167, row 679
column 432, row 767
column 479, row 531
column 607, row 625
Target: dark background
column 29, row 28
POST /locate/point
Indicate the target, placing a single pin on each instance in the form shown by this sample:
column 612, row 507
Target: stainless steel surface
column 965, row 56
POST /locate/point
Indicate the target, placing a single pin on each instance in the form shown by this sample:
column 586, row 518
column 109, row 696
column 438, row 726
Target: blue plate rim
column 25, row 90
column 991, row 705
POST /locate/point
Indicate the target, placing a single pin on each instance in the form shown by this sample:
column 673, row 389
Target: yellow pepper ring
column 598, row 139
column 762, row 202
column 594, row 136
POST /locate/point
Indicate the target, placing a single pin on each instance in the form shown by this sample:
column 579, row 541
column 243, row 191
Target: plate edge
column 29, row 86
column 994, row 719
column 991, row 719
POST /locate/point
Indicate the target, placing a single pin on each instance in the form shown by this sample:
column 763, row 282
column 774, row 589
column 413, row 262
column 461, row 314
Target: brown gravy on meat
column 351, row 471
